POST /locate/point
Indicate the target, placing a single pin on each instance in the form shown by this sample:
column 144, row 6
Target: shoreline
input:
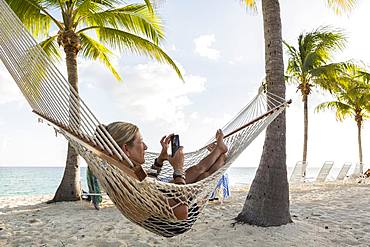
column 328, row 214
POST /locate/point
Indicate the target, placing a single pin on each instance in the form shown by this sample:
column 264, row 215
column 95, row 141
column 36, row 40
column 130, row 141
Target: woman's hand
column 177, row 161
column 165, row 141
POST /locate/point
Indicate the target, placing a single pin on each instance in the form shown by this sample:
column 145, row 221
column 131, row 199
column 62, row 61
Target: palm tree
column 308, row 66
column 267, row 203
column 87, row 27
column 352, row 99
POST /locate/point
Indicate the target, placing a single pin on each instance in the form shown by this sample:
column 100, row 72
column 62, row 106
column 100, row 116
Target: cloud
column 154, row 92
column 203, row 47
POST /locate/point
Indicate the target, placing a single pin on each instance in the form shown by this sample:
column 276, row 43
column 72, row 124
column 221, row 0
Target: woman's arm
column 177, row 162
column 158, row 162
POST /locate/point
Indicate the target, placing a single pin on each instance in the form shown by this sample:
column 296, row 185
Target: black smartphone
column 175, row 144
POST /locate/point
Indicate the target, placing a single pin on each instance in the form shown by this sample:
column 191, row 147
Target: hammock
column 143, row 200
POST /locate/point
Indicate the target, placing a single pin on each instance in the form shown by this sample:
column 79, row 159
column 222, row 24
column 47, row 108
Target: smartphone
column 175, row 144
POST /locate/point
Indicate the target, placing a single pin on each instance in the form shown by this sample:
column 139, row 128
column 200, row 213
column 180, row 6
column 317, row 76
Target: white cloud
column 203, row 47
column 154, row 92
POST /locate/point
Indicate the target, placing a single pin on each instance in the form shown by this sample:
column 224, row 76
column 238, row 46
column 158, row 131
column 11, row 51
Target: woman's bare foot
column 220, row 141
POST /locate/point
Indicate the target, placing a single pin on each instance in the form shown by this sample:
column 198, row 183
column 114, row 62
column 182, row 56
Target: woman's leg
column 217, row 165
column 205, row 164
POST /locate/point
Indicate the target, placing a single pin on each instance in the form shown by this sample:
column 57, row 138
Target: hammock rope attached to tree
column 143, row 200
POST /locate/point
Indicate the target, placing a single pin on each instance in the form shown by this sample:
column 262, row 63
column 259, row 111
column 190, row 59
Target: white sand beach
column 330, row 214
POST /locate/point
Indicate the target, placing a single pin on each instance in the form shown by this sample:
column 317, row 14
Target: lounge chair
column 343, row 171
column 358, row 171
column 299, row 172
column 324, row 171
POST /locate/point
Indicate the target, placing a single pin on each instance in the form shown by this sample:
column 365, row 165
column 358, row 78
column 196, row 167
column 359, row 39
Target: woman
column 129, row 138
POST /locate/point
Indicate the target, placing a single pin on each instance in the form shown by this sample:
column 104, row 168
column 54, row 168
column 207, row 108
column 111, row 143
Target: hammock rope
column 143, row 200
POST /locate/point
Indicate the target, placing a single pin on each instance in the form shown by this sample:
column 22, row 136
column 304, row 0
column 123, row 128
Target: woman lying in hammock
column 129, row 138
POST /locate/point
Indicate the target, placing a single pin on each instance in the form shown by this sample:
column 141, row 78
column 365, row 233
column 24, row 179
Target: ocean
column 45, row 180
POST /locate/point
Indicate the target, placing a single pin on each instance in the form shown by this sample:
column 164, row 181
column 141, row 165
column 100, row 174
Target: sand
column 329, row 214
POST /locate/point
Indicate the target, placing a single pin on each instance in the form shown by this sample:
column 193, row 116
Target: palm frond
column 135, row 18
column 93, row 50
column 309, row 61
column 342, row 110
column 149, row 6
column 328, row 76
column 51, row 48
column 341, row 6
column 364, row 75
column 124, row 41
column 33, row 15
column 316, row 47
column 329, row 41
column 250, row 4
column 87, row 8
column 105, row 3
column 50, row 4
column 294, row 68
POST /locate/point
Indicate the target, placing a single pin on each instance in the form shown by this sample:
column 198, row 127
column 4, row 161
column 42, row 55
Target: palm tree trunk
column 70, row 187
column 267, row 203
column 305, row 124
column 359, row 141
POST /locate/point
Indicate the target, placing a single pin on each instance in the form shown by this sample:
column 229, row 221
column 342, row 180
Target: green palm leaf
column 308, row 63
column 51, row 48
column 342, row 109
column 135, row 18
column 33, row 16
column 125, row 41
column 93, row 50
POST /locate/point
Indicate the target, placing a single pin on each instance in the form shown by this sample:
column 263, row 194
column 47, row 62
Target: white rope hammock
column 143, row 200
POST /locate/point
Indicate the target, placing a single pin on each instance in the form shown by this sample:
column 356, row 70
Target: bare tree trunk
column 70, row 187
column 359, row 140
column 305, row 126
column 267, row 203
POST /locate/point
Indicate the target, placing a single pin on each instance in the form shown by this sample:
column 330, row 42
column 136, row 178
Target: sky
column 219, row 47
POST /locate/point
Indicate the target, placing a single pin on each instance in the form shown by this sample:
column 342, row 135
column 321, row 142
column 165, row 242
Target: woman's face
column 137, row 150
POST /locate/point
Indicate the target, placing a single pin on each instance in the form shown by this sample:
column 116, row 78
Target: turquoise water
column 45, row 180
column 33, row 180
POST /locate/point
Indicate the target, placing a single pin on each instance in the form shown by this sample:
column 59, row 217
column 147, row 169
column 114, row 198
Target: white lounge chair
column 324, row 171
column 358, row 171
column 299, row 172
column 344, row 170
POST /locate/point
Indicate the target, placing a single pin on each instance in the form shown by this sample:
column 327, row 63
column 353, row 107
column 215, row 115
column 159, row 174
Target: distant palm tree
column 308, row 66
column 86, row 28
column 352, row 94
column 267, row 203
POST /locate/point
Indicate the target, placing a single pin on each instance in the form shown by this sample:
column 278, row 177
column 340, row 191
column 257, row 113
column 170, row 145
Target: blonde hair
column 123, row 133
